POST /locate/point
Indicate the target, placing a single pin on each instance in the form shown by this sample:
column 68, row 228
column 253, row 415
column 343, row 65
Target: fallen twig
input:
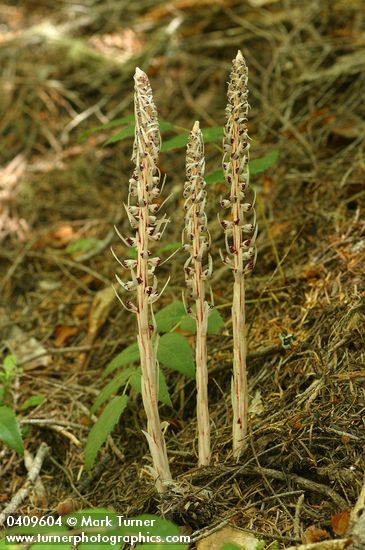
column 23, row 492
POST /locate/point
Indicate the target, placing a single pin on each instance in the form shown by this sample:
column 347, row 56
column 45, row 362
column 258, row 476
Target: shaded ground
column 70, row 68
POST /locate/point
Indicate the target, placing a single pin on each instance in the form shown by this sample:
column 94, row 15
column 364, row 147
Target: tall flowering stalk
column 144, row 189
column 197, row 242
column 240, row 236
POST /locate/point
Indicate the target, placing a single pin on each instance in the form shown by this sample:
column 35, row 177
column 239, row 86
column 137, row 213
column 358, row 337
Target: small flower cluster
column 240, row 236
column 196, row 230
column 144, row 189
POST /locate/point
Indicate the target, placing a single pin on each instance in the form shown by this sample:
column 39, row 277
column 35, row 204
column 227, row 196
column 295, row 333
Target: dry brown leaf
column 68, row 506
column 65, row 234
column 167, row 8
column 99, row 311
column 25, row 348
column 228, row 535
column 340, row 522
column 261, row 3
column 80, row 310
column 314, row 534
column 64, row 333
column 338, row 544
column 350, row 128
column 279, row 228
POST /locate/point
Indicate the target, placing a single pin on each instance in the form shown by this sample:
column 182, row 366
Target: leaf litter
column 306, row 81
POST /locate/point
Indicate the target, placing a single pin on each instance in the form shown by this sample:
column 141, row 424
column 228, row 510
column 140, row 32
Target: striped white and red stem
column 197, row 243
column 240, row 235
column 144, row 189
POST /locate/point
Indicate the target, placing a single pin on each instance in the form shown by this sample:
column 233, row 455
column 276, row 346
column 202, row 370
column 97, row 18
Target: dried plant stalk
column 240, row 236
column 197, row 242
column 144, row 189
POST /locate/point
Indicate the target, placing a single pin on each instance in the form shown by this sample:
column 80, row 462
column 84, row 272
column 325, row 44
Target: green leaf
column 163, row 390
column 165, row 126
column 33, row 401
column 126, row 357
column 230, row 546
column 169, row 316
column 215, row 323
column 112, row 124
column 256, row 166
column 174, row 352
column 128, row 131
column 9, row 430
column 215, row 133
column 82, row 245
column 215, row 177
column 132, row 253
column 176, row 142
column 158, row 527
column 169, row 248
column 123, row 121
column 102, row 428
column 52, row 546
column 9, row 364
column 263, row 163
column 112, row 387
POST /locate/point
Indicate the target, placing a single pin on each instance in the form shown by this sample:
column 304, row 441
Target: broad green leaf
column 230, row 546
column 174, row 352
column 33, row 401
column 112, row 387
column 215, row 323
column 264, row 163
column 102, row 428
column 163, row 390
column 9, row 430
column 169, row 316
column 126, row 357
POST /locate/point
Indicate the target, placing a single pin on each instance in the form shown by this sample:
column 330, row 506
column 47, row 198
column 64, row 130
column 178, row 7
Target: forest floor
column 67, row 67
